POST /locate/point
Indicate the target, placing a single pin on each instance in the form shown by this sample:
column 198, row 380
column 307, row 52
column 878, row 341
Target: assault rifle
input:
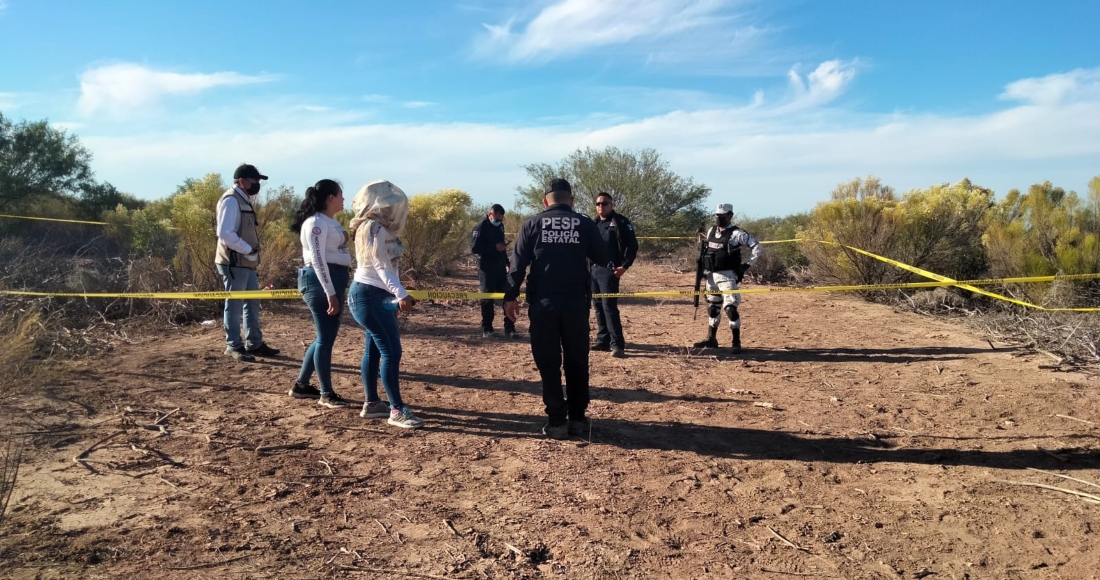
column 699, row 269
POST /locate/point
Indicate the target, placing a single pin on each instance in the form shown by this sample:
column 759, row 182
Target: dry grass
column 9, row 470
column 19, row 332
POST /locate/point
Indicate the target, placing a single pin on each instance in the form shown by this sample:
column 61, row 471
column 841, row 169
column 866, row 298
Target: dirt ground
column 849, row 440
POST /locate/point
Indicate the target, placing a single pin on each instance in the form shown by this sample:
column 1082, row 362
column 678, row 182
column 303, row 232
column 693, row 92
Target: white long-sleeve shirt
column 229, row 220
column 378, row 264
column 324, row 242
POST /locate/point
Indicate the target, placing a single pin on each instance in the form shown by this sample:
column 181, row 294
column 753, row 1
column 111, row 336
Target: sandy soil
column 848, row 441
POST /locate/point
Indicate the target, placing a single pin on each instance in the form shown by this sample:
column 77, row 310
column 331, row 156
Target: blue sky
column 770, row 103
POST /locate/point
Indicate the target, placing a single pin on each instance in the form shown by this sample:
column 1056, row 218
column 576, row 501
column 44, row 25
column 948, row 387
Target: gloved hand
column 741, row 272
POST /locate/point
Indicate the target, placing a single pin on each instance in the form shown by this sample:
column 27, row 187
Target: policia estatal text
column 557, row 244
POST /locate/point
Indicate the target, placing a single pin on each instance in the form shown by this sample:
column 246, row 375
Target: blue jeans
column 319, row 354
column 383, row 348
column 241, row 279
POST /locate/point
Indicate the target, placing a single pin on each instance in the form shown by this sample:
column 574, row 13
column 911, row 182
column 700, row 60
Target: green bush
column 193, row 214
column 437, row 233
column 1041, row 233
column 941, row 230
column 778, row 261
column 864, row 215
column 937, row 230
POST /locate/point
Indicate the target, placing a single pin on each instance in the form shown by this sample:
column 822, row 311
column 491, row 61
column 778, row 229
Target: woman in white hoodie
column 381, row 209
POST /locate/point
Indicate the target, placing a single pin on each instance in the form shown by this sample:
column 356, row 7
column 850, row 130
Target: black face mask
column 254, row 188
column 722, row 220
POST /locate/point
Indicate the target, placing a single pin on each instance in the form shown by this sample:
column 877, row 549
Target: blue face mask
column 495, row 222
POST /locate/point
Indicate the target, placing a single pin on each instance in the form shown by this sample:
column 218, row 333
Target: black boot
column 736, row 340
column 711, row 341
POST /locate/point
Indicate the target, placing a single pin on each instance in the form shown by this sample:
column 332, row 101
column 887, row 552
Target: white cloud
column 767, row 158
column 1056, row 88
column 418, row 104
column 125, row 88
column 574, row 26
column 3, row 6
column 822, row 85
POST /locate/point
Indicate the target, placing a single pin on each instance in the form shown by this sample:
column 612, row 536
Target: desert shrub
column 193, row 215
column 147, row 232
column 937, row 230
column 864, row 215
column 282, row 248
column 437, row 234
column 778, row 260
column 941, row 229
column 1044, row 232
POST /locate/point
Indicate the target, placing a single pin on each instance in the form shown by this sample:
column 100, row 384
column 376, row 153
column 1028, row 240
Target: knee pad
column 713, row 310
column 731, row 312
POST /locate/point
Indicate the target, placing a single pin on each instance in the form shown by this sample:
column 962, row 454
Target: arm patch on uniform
column 316, row 231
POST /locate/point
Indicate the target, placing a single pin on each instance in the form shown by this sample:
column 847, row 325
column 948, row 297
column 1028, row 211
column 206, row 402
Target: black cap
column 559, row 184
column 497, row 208
column 249, row 171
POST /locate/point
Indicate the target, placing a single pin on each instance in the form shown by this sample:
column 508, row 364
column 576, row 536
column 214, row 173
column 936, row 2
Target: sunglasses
column 602, row 203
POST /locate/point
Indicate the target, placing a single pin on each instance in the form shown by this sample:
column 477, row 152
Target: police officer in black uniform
column 488, row 244
column 558, row 244
column 721, row 261
column 622, row 243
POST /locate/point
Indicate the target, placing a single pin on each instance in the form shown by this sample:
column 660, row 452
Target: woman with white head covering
column 381, row 209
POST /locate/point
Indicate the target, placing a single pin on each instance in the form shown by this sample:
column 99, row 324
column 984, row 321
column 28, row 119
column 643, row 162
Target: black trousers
column 493, row 281
column 608, row 323
column 560, row 338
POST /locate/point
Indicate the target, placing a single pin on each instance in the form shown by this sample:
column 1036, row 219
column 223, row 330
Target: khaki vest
column 247, row 230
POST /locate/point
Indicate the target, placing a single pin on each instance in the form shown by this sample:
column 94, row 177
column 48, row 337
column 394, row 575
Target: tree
column 97, row 198
column 37, row 160
column 657, row 201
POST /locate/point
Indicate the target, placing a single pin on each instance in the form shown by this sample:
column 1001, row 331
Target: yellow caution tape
column 462, row 295
column 246, row 295
column 965, row 284
column 937, row 281
column 23, row 217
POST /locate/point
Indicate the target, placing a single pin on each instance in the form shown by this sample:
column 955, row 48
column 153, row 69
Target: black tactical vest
column 719, row 255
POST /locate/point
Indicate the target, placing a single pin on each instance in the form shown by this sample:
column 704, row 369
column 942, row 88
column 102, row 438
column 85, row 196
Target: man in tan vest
column 237, row 257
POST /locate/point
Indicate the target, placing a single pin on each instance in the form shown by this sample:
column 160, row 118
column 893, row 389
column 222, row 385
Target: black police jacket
column 484, row 242
column 618, row 234
column 558, row 245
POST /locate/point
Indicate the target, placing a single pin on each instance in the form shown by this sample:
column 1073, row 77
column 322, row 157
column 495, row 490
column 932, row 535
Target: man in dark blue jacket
column 558, row 244
column 492, row 266
column 622, row 243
